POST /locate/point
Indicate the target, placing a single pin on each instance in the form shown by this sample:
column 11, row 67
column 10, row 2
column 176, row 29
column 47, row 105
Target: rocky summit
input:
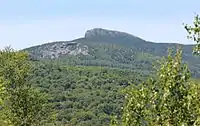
column 103, row 32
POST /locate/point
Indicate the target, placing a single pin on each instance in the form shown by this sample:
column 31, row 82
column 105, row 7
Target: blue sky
column 24, row 23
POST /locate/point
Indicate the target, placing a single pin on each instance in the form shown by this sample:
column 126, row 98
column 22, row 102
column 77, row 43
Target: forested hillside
column 83, row 96
column 85, row 77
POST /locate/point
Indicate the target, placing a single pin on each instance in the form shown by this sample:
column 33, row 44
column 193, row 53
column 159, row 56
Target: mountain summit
column 105, row 35
column 100, row 32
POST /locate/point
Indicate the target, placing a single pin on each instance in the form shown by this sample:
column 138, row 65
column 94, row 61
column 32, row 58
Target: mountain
column 109, row 48
column 82, row 92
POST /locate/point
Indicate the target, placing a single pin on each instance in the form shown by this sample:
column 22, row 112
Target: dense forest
column 83, row 95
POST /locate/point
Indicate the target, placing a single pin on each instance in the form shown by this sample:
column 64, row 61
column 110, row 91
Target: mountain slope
column 101, row 47
column 84, row 94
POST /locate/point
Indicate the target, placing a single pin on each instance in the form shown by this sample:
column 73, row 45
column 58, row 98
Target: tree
column 21, row 105
column 194, row 33
column 169, row 98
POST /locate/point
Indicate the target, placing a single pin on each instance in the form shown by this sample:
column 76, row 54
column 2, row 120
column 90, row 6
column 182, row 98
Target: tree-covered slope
column 83, row 96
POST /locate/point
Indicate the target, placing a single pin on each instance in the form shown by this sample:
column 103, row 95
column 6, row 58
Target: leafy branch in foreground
column 21, row 105
column 170, row 98
column 194, row 33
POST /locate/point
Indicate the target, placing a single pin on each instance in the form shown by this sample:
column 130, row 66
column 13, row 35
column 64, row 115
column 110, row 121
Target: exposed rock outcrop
column 55, row 50
column 99, row 32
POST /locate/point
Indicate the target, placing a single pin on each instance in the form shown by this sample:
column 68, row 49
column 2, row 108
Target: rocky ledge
column 55, row 50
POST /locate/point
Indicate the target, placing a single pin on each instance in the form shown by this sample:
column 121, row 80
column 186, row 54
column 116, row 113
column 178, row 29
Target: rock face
column 55, row 50
column 99, row 32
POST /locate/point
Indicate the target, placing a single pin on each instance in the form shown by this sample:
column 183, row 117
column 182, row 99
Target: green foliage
column 114, row 121
column 83, row 96
column 21, row 105
column 168, row 99
column 194, row 33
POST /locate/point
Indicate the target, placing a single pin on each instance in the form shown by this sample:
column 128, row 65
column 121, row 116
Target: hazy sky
column 24, row 23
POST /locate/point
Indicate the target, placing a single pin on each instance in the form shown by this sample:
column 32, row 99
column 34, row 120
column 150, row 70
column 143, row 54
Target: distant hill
column 102, row 47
